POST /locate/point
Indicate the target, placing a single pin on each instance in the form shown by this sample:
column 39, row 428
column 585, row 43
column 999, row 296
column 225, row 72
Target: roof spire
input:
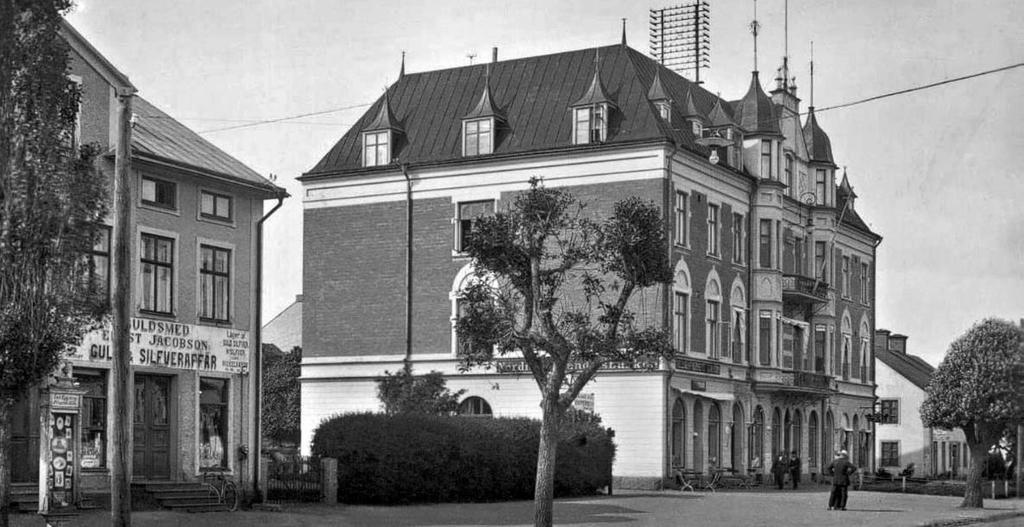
column 401, row 72
column 623, row 32
column 385, row 119
column 596, row 92
column 812, row 76
column 755, row 27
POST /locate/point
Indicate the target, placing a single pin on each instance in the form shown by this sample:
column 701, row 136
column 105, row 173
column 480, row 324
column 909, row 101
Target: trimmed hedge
column 425, row 458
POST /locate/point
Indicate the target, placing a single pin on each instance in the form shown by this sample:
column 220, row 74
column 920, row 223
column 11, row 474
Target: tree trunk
column 5, row 460
column 974, row 494
column 544, row 489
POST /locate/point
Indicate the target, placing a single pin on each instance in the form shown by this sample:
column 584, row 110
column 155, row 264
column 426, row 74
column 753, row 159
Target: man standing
column 840, row 469
column 794, row 469
column 780, row 465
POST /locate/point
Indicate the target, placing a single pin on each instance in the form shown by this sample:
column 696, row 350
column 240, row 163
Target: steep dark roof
column 536, row 94
column 755, row 113
column 690, row 109
column 819, row 147
column 718, row 116
column 596, row 93
column 158, row 136
column 912, row 367
column 385, row 119
column 485, row 107
column 657, row 91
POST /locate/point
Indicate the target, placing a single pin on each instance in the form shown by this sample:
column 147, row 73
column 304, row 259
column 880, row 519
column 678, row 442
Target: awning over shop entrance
column 718, row 396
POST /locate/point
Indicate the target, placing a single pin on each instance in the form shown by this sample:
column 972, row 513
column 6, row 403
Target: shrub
column 429, row 458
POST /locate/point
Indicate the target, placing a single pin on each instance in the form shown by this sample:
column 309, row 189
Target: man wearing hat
column 840, row 469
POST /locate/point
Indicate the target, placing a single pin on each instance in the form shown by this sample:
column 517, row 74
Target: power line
column 281, row 119
column 223, row 120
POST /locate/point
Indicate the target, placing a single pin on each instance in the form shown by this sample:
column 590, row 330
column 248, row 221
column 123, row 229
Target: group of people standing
column 840, row 470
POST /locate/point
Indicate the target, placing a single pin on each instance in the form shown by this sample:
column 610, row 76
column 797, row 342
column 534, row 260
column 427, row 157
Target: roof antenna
column 471, row 55
column 623, row 32
column 785, row 51
column 812, row 75
column 754, row 28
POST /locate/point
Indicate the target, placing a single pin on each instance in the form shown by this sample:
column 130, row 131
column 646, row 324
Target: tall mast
column 754, row 28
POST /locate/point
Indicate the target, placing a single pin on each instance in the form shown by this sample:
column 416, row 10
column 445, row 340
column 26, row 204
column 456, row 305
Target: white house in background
column 285, row 329
column 900, row 436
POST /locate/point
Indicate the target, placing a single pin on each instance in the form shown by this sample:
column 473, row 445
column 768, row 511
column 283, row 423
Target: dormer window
column 376, row 148
column 664, row 110
column 698, row 130
column 477, row 137
column 590, row 124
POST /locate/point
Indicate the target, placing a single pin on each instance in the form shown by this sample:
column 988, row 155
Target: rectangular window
column 789, row 174
column 589, row 125
column 157, row 261
column 890, row 412
column 737, row 336
column 582, row 126
column 214, row 283
column 819, row 187
column 865, row 295
column 799, row 256
column 468, row 213
column 99, row 264
column 737, row 238
column 764, row 256
column 788, row 342
column 213, row 423
column 820, row 262
column 477, row 138
column 159, row 193
column 376, row 148
column 93, row 431
column 714, row 334
column 766, row 159
column 819, row 348
column 846, row 277
column 864, row 359
column 713, row 230
column 890, row 453
column 215, row 206
column 682, row 321
column 682, row 222
column 764, row 340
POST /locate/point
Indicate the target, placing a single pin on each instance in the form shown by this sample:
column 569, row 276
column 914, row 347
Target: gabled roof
column 911, row 367
column 819, row 147
column 158, row 137
column 755, row 113
column 102, row 66
column 718, row 116
column 845, row 190
column 536, row 94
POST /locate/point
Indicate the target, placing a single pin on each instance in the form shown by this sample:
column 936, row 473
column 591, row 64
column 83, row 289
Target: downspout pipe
column 407, row 361
column 258, row 333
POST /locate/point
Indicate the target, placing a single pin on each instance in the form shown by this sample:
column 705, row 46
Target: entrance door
column 152, row 428
column 25, row 439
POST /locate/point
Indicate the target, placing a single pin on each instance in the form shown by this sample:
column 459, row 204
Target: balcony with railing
column 803, row 382
column 803, row 289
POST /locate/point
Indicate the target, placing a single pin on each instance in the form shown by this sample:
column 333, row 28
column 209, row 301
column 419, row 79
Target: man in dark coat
column 780, row 465
column 794, row 469
column 840, row 469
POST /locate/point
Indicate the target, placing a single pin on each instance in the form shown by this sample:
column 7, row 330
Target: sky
column 934, row 170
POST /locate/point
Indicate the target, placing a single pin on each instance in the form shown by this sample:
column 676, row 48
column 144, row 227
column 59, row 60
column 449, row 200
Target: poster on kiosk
column 61, row 405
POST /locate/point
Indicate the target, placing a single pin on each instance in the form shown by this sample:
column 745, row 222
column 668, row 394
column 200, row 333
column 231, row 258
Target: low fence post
column 904, row 483
column 329, row 480
column 993, row 489
column 264, row 468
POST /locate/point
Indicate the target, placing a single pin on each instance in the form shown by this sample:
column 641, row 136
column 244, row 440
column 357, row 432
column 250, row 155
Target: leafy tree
column 51, row 200
column 403, row 393
column 282, row 399
column 556, row 286
column 979, row 388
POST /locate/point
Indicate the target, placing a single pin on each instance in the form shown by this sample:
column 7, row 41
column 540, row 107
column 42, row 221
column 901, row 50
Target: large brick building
column 194, row 238
column 772, row 306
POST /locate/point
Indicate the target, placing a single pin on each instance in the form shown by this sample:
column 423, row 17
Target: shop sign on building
column 173, row 345
column 584, row 402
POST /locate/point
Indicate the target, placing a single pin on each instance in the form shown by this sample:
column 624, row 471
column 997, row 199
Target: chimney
column 898, row 343
column 881, row 339
column 298, row 299
column 494, row 54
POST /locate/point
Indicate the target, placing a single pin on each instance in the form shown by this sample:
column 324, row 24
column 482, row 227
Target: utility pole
column 120, row 376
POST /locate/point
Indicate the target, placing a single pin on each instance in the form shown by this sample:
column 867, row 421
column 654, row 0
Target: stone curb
column 971, row 521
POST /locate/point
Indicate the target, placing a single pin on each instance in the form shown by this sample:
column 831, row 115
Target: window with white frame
column 890, row 454
column 890, row 412
column 214, row 283
column 681, row 325
column 468, row 212
column 682, row 220
column 477, row 137
column 864, row 359
column 698, row 130
column 789, row 174
column 376, row 148
column 714, row 335
column 215, row 206
column 157, row 264
column 738, row 242
column 764, row 337
column 820, row 187
column 664, row 110
column 738, row 335
column 764, row 256
column 713, row 230
column 590, row 124
column 159, row 193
